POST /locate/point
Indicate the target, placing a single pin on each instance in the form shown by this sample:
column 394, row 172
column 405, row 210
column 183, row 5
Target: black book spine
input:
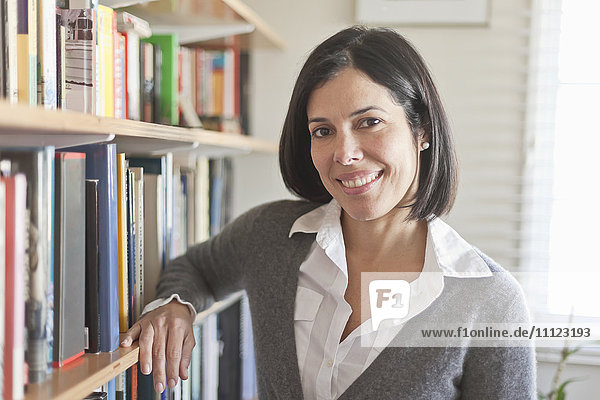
column 92, row 278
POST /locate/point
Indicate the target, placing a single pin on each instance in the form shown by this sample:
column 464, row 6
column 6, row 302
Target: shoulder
column 276, row 217
column 502, row 291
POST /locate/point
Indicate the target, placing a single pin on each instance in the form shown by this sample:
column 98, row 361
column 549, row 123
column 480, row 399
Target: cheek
column 319, row 160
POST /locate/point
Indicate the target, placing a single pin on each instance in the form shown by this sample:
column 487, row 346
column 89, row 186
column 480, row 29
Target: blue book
column 112, row 388
column 101, row 164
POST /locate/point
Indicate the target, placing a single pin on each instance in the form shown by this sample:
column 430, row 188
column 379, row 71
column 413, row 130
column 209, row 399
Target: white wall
column 481, row 74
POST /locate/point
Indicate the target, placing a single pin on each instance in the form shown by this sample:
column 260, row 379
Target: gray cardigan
column 254, row 253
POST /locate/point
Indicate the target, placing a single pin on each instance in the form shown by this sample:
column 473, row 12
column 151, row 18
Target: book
column 147, row 82
column 11, row 59
column 154, row 176
column 92, row 270
column 14, row 311
column 130, row 194
column 122, row 244
column 210, row 358
column 101, row 164
column 37, row 164
column 69, row 257
column 106, row 58
column 134, row 29
column 2, row 276
column 46, row 53
column 120, row 100
column 79, row 90
column 3, row 48
column 195, row 373
column 60, row 51
column 27, row 51
column 169, row 96
column 138, row 215
column 228, row 327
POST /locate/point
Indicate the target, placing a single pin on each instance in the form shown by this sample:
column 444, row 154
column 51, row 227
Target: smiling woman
column 367, row 146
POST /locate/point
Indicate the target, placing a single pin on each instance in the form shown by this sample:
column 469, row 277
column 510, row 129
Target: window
column 561, row 220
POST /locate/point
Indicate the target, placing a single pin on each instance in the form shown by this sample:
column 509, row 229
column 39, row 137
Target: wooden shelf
column 202, row 20
column 91, row 371
column 23, row 126
column 82, row 376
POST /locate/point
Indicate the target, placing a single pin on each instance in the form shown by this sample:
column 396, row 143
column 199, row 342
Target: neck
column 386, row 242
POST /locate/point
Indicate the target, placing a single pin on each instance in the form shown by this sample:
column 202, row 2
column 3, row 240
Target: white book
column 229, row 84
column 46, row 49
column 210, row 358
column 12, row 78
column 202, row 201
column 153, row 234
column 2, row 272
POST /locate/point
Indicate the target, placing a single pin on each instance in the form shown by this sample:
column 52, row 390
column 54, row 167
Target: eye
column 369, row 122
column 320, row 132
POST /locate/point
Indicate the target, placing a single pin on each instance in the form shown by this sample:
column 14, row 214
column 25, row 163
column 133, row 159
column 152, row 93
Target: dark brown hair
column 391, row 61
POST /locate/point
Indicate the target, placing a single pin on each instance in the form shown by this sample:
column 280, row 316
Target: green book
column 169, row 82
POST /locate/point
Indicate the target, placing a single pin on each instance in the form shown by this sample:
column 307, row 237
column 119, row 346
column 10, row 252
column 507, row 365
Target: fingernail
column 125, row 342
column 172, row 383
column 146, row 369
column 159, row 387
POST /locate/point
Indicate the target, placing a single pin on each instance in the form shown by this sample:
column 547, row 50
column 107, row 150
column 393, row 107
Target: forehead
column 348, row 91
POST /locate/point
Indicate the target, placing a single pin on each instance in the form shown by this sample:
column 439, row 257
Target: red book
column 14, row 328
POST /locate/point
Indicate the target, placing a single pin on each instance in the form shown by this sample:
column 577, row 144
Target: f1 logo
column 389, row 299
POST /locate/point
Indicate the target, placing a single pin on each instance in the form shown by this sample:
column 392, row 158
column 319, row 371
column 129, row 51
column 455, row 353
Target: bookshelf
column 21, row 125
column 92, row 370
column 203, row 20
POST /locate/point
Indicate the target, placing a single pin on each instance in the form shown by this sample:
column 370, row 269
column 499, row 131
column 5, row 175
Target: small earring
column 425, row 145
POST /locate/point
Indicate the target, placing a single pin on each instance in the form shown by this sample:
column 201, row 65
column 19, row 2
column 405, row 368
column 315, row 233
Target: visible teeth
column 360, row 181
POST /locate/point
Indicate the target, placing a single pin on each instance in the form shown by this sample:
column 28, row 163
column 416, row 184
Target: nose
column 347, row 149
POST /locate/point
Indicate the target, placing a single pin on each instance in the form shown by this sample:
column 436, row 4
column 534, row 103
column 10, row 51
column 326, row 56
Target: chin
column 363, row 213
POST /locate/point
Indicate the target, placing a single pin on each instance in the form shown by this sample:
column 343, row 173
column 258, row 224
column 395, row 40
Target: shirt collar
column 455, row 257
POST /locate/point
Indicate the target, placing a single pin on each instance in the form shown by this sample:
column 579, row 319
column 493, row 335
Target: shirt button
column 329, row 363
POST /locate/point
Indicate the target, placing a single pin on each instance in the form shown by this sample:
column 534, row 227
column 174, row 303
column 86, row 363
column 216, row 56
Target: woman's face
column 362, row 146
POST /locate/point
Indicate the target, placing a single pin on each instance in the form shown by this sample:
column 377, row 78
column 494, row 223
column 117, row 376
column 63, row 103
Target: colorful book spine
column 27, row 51
column 169, row 100
column 14, row 333
column 122, row 243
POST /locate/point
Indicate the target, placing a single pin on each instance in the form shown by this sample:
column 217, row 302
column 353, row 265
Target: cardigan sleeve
column 213, row 269
column 502, row 372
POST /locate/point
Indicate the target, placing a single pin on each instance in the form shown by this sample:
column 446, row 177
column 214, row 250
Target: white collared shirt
column 328, row 367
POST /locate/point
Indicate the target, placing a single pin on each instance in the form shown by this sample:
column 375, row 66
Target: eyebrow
column 352, row 114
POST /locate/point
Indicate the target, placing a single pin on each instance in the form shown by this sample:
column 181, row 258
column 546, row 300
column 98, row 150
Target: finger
column 146, row 340
column 131, row 335
column 158, row 357
column 186, row 355
column 174, row 349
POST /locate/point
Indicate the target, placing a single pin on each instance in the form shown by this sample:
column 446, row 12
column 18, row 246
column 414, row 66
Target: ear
column 423, row 138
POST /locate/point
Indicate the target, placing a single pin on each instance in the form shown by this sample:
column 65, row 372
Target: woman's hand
column 165, row 337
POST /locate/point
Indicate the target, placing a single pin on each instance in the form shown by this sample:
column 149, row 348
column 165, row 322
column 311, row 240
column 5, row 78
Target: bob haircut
column 389, row 60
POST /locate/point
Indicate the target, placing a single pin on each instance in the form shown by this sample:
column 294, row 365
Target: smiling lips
column 358, row 184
